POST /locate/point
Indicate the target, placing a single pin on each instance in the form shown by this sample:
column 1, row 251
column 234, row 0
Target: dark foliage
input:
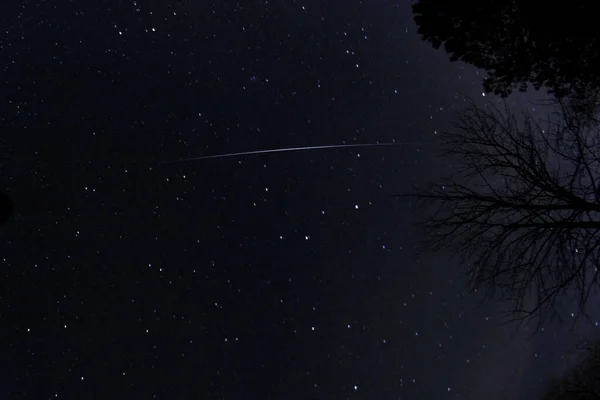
column 552, row 45
column 582, row 382
column 6, row 208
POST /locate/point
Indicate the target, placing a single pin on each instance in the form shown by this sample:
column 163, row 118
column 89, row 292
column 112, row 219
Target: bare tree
column 522, row 205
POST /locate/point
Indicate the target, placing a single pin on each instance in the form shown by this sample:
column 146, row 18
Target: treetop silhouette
column 517, row 42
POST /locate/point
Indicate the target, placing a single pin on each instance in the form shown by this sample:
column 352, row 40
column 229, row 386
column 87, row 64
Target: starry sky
column 273, row 276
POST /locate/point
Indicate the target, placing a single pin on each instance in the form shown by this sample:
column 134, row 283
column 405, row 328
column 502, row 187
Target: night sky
column 272, row 276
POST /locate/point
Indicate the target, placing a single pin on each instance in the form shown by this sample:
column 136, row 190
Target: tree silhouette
column 6, row 208
column 582, row 382
column 521, row 206
column 517, row 42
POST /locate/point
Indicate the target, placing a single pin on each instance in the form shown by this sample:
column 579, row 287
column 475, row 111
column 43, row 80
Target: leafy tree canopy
column 518, row 42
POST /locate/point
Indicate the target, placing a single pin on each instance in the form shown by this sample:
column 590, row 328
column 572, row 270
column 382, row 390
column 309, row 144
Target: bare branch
column 522, row 206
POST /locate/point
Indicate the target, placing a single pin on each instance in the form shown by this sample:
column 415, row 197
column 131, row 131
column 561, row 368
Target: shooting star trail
column 281, row 150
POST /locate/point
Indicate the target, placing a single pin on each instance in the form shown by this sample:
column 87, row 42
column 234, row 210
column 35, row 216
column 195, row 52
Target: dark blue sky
column 278, row 276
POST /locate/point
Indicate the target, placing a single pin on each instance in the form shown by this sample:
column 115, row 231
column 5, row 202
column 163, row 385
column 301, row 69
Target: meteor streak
column 281, row 150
